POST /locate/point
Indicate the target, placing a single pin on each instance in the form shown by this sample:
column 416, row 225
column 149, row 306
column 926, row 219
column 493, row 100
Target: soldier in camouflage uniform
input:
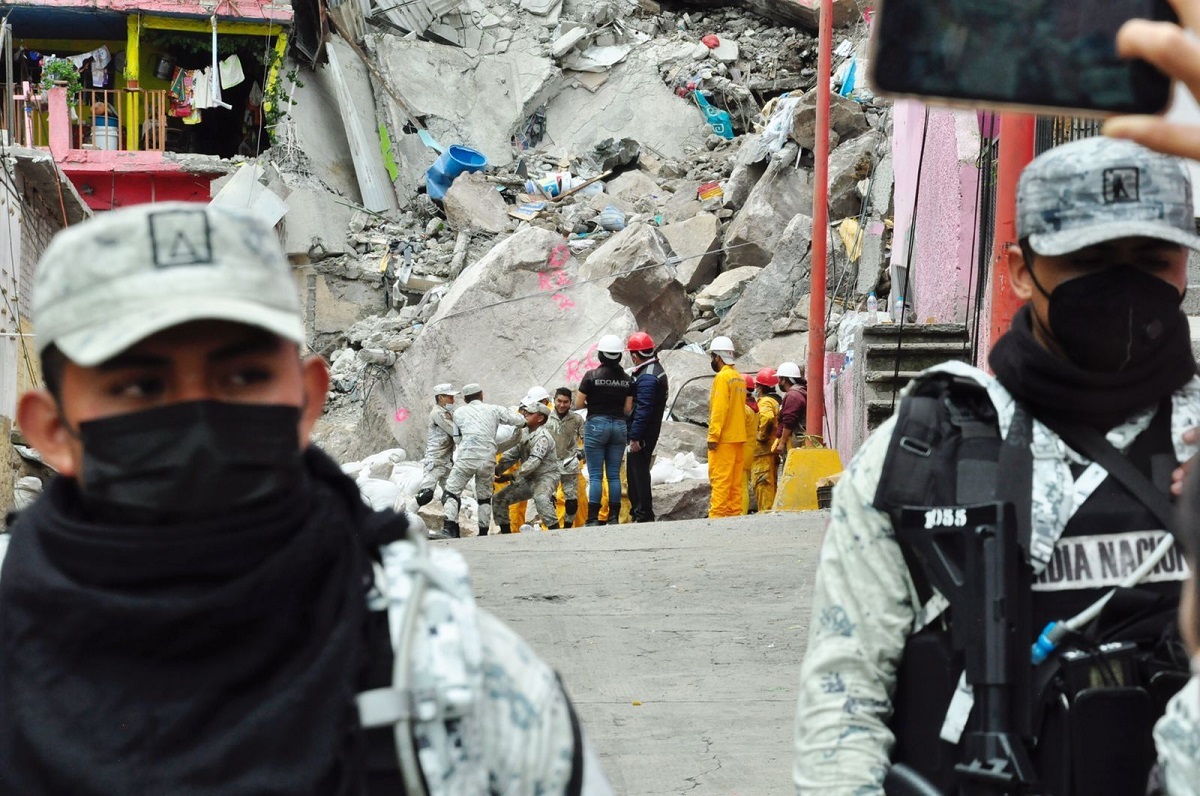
column 539, row 472
column 1104, row 227
column 439, row 444
column 212, row 587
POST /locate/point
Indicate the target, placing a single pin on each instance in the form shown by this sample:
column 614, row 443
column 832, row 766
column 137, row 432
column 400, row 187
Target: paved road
column 679, row 642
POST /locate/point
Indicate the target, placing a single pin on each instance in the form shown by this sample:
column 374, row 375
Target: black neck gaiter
column 1057, row 388
column 215, row 657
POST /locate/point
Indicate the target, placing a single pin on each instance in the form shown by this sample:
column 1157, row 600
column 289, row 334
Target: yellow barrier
column 797, row 489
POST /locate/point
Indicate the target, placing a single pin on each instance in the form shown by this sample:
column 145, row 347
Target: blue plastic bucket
column 454, row 161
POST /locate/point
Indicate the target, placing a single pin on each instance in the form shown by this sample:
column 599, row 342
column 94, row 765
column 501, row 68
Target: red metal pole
column 1016, row 150
column 820, row 240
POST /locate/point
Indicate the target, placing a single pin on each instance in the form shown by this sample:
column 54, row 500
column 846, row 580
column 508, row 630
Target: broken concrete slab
column 726, row 52
column 846, row 120
column 476, row 100
column 741, row 182
column 849, row 164
column 634, row 103
column 474, row 203
column 696, row 243
column 611, row 154
column 568, row 41
column 783, row 191
column 774, row 290
column 597, row 58
column 547, row 338
column 541, row 7
column 643, row 281
column 314, row 124
column 316, row 224
column 725, row 289
column 350, row 80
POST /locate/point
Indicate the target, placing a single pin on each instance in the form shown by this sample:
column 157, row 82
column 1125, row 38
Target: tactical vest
column 945, row 451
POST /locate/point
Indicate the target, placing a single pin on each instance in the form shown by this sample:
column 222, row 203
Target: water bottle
column 898, row 310
column 526, row 528
column 832, row 375
column 872, row 309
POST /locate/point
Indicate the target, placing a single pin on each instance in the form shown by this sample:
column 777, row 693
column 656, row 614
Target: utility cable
column 971, row 281
column 912, row 228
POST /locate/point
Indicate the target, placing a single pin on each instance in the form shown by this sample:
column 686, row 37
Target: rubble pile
column 626, row 166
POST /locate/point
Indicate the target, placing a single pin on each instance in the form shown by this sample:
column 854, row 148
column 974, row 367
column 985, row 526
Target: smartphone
column 1028, row 55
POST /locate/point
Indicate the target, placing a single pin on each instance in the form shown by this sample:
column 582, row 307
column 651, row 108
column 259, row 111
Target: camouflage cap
column 1101, row 189
column 111, row 282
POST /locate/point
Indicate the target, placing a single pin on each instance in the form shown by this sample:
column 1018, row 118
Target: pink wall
column 945, row 238
column 244, row 10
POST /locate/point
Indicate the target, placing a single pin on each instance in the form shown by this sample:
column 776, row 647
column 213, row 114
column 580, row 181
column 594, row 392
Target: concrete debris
column 783, row 191
column 784, row 348
column 850, row 164
column 597, row 59
column 846, row 120
column 643, row 280
column 315, row 226
column 686, row 500
column 726, row 52
column 611, row 154
column 679, row 437
column 725, row 290
column 567, row 42
column 774, row 290
column 473, row 203
column 696, row 243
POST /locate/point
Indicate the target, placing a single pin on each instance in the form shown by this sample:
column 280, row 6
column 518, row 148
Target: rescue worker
column 200, row 601
column 505, row 442
column 439, row 443
column 764, row 473
column 650, row 389
column 567, row 429
column 1097, row 366
column 607, row 393
column 790, row 429
column 476, row 461
column 539, row 469
column 748, row 504
column 726, row 431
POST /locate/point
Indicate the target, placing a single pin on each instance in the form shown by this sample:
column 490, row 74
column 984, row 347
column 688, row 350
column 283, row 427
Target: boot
column 571, row 509
column 593, row 517
column 450, row 529
column 505, row 527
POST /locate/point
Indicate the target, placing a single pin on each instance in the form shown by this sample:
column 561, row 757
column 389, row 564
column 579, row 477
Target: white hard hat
column 536, row 394
column 611, row 344
column 788, row 370
column 721, row 345
column 445, row 388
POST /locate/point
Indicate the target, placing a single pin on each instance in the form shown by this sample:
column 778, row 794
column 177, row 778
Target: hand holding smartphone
column 1020, row 54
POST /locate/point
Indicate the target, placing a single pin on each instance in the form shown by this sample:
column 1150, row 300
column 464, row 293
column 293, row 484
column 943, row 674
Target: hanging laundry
column 101, row 57
column 231, row 72
column 201, row 89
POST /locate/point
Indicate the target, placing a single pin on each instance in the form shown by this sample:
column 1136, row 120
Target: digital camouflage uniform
column 865, row 605
column 439, row 448
column 567, row 432
column 476, row 460
column 1177, row 739
column 536, row 479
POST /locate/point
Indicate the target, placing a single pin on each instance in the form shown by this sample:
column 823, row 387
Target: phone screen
column 1050, row 53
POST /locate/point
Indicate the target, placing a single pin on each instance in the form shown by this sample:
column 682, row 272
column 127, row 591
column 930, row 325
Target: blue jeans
column 603, row 447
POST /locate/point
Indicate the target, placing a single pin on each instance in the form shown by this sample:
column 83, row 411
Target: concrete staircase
column 861, row 399
column 921, row 347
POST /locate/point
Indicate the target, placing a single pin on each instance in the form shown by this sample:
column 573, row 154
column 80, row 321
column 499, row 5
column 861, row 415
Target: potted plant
column 60, row 71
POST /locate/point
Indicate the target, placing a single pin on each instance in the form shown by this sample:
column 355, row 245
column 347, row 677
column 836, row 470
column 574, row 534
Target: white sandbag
column 407, row 478
column 380, row 495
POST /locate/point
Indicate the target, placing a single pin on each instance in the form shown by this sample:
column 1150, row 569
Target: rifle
column 972, row 556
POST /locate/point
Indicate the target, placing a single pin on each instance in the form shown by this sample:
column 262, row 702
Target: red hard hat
column 640, row 341
column 749, row 382
column 767, row 378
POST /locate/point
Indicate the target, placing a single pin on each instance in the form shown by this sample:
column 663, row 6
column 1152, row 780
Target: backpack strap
column 437, row 675
column 944, row 451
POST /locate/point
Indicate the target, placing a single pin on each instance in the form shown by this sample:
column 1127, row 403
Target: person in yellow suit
column 726, row 431
column 748, row 445
column 763, row 472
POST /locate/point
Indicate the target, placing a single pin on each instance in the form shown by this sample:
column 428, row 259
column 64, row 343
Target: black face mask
column 1112, row 320
column 715, row 364
column 189, row 461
